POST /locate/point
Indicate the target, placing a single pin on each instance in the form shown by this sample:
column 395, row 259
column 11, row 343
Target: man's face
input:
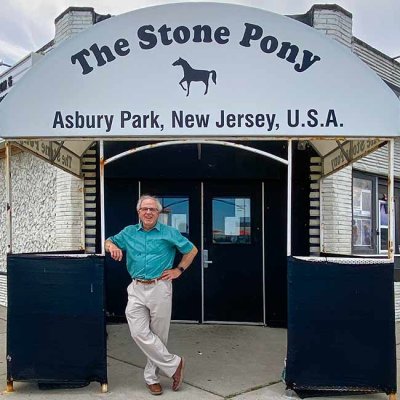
column 148, row 213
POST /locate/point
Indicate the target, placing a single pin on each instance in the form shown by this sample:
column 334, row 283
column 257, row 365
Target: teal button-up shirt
column 150, row 253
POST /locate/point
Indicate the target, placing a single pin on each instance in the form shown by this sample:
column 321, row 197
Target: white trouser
column 149, row 315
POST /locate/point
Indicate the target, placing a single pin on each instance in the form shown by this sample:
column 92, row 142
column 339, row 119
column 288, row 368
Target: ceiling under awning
column 335, row 153
column 339, row 153
column 66, row 155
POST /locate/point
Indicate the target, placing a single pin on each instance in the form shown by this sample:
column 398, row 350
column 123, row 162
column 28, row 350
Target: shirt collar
column 156, row 226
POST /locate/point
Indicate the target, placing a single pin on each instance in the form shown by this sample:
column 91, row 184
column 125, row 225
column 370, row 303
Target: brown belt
column 146, row 282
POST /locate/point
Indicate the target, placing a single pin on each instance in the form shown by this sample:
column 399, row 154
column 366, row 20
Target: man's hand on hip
column 170, row 274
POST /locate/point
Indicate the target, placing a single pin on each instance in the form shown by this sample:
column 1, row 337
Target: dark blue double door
column 224, row 220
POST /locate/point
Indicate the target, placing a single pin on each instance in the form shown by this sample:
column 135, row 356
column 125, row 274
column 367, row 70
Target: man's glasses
column 148, row 209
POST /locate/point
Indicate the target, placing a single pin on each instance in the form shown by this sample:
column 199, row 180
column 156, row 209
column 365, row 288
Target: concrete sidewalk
column 223, row 361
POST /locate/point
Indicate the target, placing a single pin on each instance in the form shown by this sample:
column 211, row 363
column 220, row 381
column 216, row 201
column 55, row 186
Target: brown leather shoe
column 155, row 389
column 178, row 375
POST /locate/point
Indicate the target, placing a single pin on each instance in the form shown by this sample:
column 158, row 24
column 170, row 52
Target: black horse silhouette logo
column 194, row 75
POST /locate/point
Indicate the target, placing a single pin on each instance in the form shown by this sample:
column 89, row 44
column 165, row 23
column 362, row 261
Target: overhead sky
column 26, row 25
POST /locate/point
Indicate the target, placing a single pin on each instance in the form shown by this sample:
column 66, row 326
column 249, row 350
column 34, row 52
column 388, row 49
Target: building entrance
column 232, row 205
column 224, row 220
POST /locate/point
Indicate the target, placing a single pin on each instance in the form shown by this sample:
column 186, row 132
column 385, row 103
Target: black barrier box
column 56, row 321
column 341, row 327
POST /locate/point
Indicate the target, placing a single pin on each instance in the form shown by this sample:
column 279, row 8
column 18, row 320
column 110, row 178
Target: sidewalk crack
column 186, row 383
column 231, row 396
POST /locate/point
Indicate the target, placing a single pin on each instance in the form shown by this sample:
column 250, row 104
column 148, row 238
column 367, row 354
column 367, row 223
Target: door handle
column 206, row 261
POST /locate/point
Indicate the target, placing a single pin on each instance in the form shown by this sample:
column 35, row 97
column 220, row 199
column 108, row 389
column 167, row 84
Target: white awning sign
column 200, row 70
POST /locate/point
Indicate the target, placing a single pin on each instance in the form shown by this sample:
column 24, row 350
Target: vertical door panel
column 120, row 210
column 233, row 278
column 181, row 202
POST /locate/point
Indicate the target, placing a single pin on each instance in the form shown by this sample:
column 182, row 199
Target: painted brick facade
column 89, row 170
column 377, row 162
column 69, row 212
column 387, row 68
column 315, row 206
column 335, row 208
column 335, row 191
column 71, row 22
column 34, row 185
column 336, row 211
column 397, row 300
column 334, row 21
column 48, row 203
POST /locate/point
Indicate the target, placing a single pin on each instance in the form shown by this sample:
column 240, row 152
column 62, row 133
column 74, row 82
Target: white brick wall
column 89, row 174
column 377, row 162
column 3, row 290
column 314, row 230
column 383, row 65
column 334, row 23
column 397, row 300
column 72, row 23
column 336, row 190
column 69, row 212
column 337, row 212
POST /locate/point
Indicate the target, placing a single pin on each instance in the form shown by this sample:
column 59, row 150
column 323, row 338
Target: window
column 362, row 213
column 231, row 220
column 383, row 225
column 175, row 213
column 371, row 214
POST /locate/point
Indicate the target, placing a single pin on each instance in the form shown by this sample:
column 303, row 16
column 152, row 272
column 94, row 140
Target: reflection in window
column 383, row 225
column 175, row 213
column 362, row 212
column 231, row 220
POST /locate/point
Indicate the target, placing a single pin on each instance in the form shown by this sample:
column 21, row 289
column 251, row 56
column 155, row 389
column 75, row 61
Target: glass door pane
column 231, row 220
column 175, row 213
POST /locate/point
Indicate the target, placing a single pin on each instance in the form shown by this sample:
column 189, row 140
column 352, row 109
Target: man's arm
column 186, row 260
column 114, row 250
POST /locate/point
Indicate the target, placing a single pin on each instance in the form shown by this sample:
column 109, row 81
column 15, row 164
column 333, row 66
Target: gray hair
column 148, row 197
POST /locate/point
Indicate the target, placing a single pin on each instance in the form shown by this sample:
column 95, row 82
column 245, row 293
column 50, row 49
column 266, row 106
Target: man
column 150, row 251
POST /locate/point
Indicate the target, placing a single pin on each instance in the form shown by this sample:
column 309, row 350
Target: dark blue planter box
column 56, row 321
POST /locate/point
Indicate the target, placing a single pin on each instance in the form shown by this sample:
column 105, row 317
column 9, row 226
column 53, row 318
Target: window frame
column 380, row 226
column 383, row 189
column 234, row 197
column 379, row 187
column 372, row 249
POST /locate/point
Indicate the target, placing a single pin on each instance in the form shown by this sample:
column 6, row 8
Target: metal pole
column 8, row 197
column 202, row 247
column 102, row 215
column 195, row 141
column 391, row 200
column 263, row 249
column 289, row 199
